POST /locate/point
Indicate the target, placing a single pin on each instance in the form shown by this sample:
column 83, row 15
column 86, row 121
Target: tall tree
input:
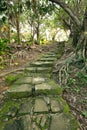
column 81, row 43
column 37, row 11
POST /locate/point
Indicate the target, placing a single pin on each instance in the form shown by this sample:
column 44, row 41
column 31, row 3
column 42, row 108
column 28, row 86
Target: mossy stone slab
column 30, row 69
column 48, row 88
column 48, row 59
column 26, row 106
column 42, row 64
column 24, row 80
column 46, row 75
column 29, row 124
column 56, row 106
column 12, row 125
column 40, row 105
column 50, row 55
column 63, row 122
column 43, row 70
column 38, row 80
column 26, row 122
column 19, row 91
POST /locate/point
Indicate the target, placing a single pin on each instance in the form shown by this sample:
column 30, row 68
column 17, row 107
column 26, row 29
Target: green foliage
column 3, row 6
column 43, row 41
column 84, row 113
column 71, row 81
column 15, row 38
column 12, row 78
column 7, row 107
column 82, row 77
column 3, row 46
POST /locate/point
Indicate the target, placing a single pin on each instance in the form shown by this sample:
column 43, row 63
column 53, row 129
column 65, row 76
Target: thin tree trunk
column 0, row 31
column 18, row 28
column 9, row 28
column 18, row 22
column 38, row 31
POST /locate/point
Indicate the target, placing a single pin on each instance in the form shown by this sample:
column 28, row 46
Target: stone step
column 38, row 69
column 31, row 80
column 48, row 88
column 36, row 87
column 47, row 59
column 19, row 91
column 41, row 64
column 50, row 56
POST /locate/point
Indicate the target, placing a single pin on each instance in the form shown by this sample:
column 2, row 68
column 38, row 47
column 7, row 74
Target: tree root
column 10, row 72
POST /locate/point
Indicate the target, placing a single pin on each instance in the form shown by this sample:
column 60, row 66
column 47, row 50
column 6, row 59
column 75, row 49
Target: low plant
column 82, row 78
column 3, row 46
column 10, row 79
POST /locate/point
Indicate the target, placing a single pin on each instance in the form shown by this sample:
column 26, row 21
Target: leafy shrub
column 82, row 77
column 71, row 81
column 84, row 113
column 3, row 46
column 12, row 78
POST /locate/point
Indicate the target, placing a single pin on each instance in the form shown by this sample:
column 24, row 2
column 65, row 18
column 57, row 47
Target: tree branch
column 68, row 11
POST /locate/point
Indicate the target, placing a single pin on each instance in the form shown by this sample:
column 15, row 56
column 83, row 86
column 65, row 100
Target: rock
column 38, row 80
column 30, row 69
column 40, row 105
column 24, row 80
column 63, row 122
column 42, row 64
column 27, row 123
column 13, row 125
column 26, row 107
column 48, row 88
column 43, row 121
column 55, row 106
column 48, row 59
column 22, row 90
column 43, row 69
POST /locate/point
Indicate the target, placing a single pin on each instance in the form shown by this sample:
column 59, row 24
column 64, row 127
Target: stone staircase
column 34, row 101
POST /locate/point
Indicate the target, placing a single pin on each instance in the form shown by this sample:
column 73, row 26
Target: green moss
column 74, row 123
column 11, row 125
column 66, row 108
column 49, row 92
column 10, row 79
column 7, row 107
column 18, row 95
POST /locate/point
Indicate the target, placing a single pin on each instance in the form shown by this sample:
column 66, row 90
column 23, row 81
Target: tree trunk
column 18, row 28
column 0, row 30
column 9, row 34
column 18, row 22
column 38, row 30
column 82, row 42
column 81, row 39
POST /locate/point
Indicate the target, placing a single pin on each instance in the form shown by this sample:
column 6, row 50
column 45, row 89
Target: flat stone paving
column 35, row 101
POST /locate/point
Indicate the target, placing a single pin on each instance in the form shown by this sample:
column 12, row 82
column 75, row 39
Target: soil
column 76, row 98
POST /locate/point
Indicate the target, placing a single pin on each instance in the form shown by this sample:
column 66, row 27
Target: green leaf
column 84, row 113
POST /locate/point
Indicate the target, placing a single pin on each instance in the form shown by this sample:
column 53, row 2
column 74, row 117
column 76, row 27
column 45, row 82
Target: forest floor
column 75, row 90
column 76, row 97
